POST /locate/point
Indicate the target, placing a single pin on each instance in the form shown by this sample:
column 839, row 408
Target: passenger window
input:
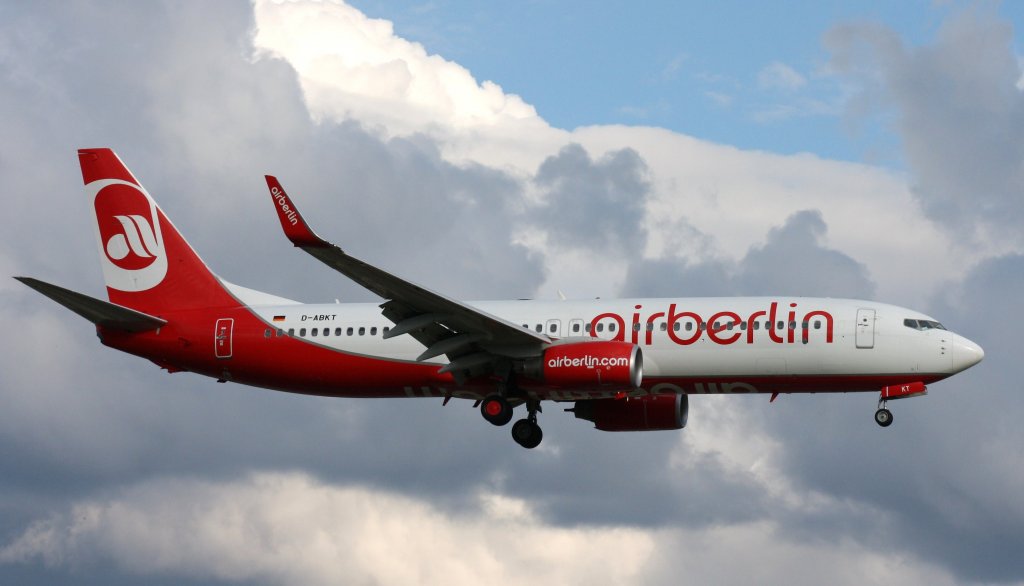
column 552, row 328
column 703, row 326
column 743, row 326
column 664, row 326
column 539, row 328
column 313, row 333
column 575, row 328
column 611, row 327
column 636, row 327
column 362, row 331
column 805, row 325
column 337, row 331
column 291, row 331
column 302, row 332
column 600, row 327
column 782, row 325
column 730, row 326
column 675, row 326
column 792, row 325
column 757, row 325
column 280, row 332
column 266, row 333
column 387, row 329
column 817, row 324
column 373, row 331
column 586, row 328
column 348, row 332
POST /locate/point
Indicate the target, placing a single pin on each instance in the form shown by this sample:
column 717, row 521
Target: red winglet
column 295, row 228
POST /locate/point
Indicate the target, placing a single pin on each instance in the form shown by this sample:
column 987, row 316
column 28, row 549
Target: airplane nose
column 965, row 353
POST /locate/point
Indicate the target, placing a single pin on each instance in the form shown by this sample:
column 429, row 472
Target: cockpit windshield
column 923, row 324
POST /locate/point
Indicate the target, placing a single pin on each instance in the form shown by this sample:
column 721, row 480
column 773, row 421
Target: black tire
column 527, row 434
column 496, row 410
column 883, row 417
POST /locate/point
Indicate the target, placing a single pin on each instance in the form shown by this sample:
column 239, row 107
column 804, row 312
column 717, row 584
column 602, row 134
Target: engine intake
column 589, row 364
column 647, row 413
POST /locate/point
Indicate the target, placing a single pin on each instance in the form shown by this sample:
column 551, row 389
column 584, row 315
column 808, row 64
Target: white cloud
column 779, row 76
column 351, row 66
column 354, row 67
column 289, row 528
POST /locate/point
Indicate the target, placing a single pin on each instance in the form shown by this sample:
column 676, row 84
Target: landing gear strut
column 883, row 416
column 526, row 432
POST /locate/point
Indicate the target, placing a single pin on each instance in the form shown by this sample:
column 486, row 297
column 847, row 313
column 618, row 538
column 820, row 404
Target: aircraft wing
column 469, row 337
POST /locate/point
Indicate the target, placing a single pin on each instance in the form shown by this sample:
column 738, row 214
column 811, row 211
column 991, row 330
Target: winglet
column 295, row 228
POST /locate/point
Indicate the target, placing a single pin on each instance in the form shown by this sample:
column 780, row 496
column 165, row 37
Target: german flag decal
column 278, row 318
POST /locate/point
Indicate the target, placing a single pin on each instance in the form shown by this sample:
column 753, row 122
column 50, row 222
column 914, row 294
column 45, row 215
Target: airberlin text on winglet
column 722, row 335
column 282, row 202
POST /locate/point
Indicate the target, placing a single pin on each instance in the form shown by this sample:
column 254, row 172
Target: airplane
column 624, row 365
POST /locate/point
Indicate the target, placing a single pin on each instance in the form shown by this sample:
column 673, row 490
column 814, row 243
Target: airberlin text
column 724, row 327
column 282, row 202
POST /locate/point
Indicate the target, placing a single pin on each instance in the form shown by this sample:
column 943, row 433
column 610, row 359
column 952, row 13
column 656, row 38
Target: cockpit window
column 923, row 324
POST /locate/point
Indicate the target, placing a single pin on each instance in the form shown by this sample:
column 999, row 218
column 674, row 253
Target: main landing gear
column 498, row 411
column 526, row 432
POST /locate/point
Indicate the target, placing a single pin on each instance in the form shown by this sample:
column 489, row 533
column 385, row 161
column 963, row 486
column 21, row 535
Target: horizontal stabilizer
column 101, row 313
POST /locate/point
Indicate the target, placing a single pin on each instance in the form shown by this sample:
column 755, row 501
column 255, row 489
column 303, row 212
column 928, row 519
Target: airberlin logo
column 131, row 244
column 282, row 202
column 587, row 361
column 684, row 328
column 135, row 246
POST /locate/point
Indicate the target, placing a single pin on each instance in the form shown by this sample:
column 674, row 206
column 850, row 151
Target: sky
column 505, row 152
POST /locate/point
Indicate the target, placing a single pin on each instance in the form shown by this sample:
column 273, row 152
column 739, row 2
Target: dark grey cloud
column 958, row 112
column 594, row 205
column 172, row 87
column 792, row 261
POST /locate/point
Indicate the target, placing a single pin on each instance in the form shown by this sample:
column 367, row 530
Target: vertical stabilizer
column 147, row 264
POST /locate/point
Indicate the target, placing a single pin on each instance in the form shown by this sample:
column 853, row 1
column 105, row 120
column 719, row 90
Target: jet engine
column 647, row 413
column 588, row 364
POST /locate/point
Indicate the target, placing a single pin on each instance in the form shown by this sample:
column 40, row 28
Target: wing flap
column 101, row 313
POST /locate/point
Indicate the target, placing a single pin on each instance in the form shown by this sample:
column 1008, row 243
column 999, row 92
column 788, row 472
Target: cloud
column 792, row 261
column 288, row 528
column 111, row 470
column 593, row 205
column 779, row 76
column 954, row 101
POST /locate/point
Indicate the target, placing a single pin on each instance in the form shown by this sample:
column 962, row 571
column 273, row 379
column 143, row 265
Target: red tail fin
column 147, row 264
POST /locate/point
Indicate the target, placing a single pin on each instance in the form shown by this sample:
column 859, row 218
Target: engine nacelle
column 589, row 364
column 647, row 413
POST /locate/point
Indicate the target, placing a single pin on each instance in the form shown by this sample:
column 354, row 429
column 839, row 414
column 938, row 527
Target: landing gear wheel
column 883, row 417
column 527, row 433
column 496, row 410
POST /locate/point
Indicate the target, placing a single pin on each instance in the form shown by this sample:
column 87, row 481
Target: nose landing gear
column 883, row 416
